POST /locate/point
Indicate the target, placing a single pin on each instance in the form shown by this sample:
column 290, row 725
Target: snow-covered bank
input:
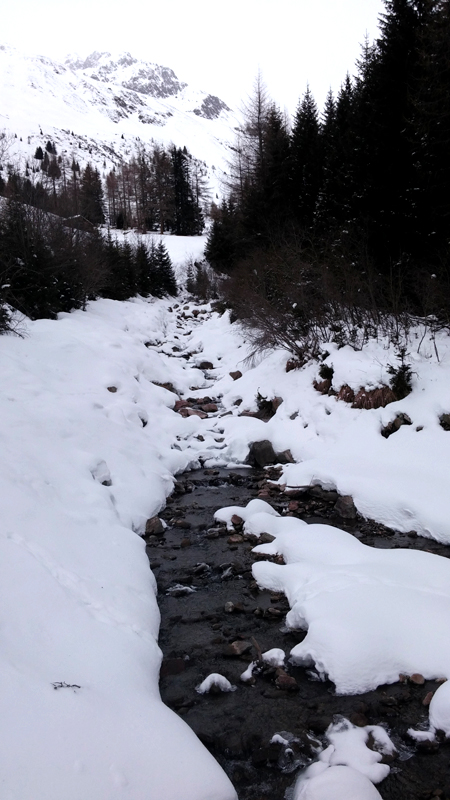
column 401, row 481
column 86, row 458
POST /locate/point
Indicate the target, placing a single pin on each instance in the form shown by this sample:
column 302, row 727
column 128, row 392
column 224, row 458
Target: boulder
column 261, row 454
column 154, row 527
column 345, row 507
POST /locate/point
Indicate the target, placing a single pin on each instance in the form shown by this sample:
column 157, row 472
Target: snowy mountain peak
column 131, row 73
column 100, row 107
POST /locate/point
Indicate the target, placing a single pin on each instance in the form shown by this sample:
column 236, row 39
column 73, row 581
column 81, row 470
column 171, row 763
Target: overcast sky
column 218, row 47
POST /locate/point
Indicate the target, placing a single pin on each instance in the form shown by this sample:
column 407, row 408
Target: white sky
column 215, row 47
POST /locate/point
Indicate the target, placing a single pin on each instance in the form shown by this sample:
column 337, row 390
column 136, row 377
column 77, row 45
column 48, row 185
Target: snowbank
column 367, row 611
column 86, row 440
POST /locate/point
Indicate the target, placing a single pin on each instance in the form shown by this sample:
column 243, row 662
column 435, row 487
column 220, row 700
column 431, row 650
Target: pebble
column 417, row 679
column 237, row 648
column 235, row 538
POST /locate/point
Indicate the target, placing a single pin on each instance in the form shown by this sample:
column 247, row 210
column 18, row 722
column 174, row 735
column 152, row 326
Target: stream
column 215, row 619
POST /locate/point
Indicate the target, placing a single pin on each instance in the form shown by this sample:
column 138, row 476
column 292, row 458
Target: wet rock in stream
column 214, row 619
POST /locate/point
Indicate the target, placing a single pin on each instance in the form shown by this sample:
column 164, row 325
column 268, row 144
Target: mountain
column 99, row 108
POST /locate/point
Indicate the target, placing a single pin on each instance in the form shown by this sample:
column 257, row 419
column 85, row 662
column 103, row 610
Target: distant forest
column 340, row 222
column 159, row 189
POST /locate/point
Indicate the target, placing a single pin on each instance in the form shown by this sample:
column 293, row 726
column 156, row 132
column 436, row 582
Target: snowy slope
column 100, row 108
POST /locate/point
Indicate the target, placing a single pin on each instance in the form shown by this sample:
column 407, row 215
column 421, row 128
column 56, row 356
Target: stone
column 236, row 520
column 209, row 408
column 395, row 425
column 293, row 505
column 154, row 527
column 192, row 412
column 235, row 538
column 276, row 403
column 228, row 607
column 236, row 375
column 112, row 389
column 444, row 421
column 286, row 682
column 345, row 507
column 285, row 457
column 237, row 648
column 185, row 542
column 180, row 404
column 206, row 365
column 261, row 454
column 180, row 523
column 266, row 538
column 427, row 699
column 417, row 679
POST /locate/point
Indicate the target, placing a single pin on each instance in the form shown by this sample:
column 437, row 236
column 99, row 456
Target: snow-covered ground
column 90, row 444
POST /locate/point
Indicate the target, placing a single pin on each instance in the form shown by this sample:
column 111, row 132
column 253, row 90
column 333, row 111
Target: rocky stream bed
column 226, row 622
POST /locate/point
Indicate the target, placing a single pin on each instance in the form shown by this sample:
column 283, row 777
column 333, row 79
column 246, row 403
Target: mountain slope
column 101, row 107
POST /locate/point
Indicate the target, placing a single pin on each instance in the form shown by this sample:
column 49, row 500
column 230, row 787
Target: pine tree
column 165, row 274
column 306, row 159
column 91, row 196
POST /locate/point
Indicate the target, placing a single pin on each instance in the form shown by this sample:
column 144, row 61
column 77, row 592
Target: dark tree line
column 347, row 213
column 46, row 266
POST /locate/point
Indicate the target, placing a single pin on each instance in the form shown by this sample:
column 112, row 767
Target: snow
column 337, row 783
column 90, row 446
column 215, row 681
column 102, row 122
column 79, row 476
column 347, row 768
column 275, row 657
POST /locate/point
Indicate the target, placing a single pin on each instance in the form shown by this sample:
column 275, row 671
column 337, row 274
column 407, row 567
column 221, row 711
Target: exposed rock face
column 211, row 107
column 374, row 398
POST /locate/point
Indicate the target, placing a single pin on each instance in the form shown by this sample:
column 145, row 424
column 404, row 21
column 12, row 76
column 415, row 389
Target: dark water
column 196, row 633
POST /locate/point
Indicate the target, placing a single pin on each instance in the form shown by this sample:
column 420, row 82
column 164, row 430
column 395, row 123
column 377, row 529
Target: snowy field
column 90, row 445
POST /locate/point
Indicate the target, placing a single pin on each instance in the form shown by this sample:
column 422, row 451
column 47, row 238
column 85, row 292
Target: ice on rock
column 216, row 681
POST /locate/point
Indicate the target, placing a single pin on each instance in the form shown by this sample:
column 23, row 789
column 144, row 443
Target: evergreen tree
column 306, row 159
column 91, row 196
column 165, row 275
